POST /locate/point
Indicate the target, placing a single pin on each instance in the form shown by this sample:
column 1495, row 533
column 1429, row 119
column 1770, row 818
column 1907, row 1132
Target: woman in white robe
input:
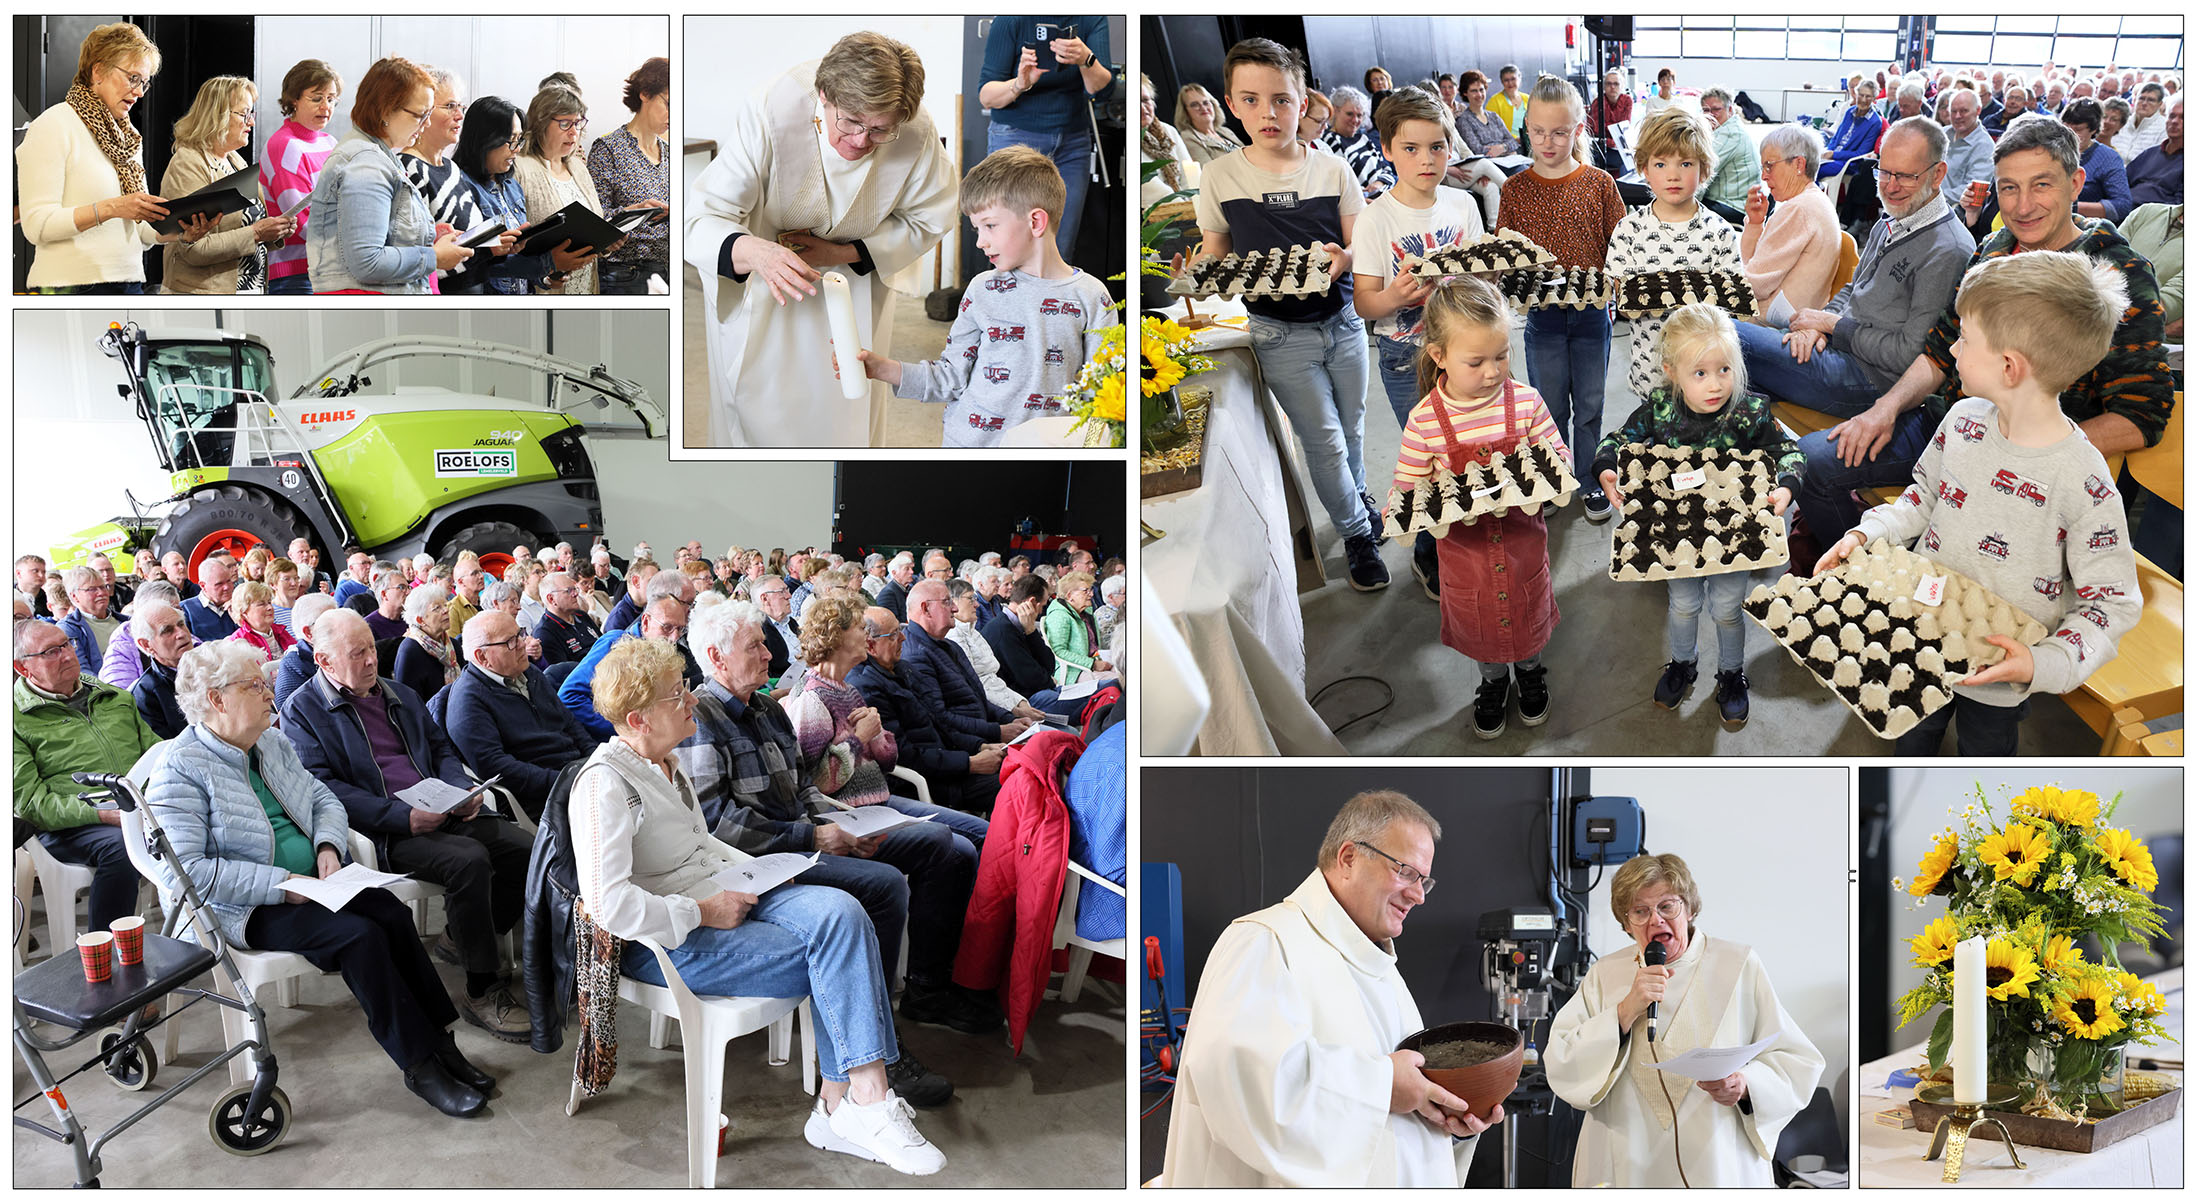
column 834, row 167
column 1643, row 1127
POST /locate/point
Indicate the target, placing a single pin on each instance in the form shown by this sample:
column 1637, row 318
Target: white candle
column 1967, row 1051
column 840, row 310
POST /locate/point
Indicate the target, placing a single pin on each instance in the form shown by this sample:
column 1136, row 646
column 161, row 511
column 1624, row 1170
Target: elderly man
column 1613, row 106
column 161, row 637
column 67, row 722
column 2148, row 125
column 944, row 679
column 120, row 591
column 208, row 612
column 1352, row 136
column 300, row 551
column 177, row 571
column 797, row 568
column 297, row 665
column 467, row 579
column 874, row 574
column 123, row 664
column 2157, row 175
column 1970, row 148
column 368, row 739
column 894, row 597
column 2121, row 405
column 390, row 589
column 964, row 778
column 1737, row 169
column 92, row 621
column 1289, row 1077
column 358, row 577
column 566, row 631
column 505, row 718
column 1027, row 662
column 991, row 585
column 782, row 637
column 599, row 557
column 629, row 608
column 756, row 796
column 665, row 620
column 937, row 567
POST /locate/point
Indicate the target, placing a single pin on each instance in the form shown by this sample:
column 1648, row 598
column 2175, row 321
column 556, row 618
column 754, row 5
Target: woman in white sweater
column 80, row 175
column 232, row 258
column 552, row 174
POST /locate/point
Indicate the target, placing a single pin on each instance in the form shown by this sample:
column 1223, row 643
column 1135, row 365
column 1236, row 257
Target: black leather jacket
column 553, row 885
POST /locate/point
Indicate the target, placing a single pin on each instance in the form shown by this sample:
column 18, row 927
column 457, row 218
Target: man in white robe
column 1643, row 1127
column 1289, row 1077
column 784, row 176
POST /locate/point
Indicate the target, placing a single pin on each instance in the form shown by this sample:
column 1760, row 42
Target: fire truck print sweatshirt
column 1016, row 346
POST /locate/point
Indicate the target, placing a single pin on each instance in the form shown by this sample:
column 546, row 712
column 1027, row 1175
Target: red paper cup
column 722, row 1124
column 1977, row 193
column 129, row 940
column 98, row 952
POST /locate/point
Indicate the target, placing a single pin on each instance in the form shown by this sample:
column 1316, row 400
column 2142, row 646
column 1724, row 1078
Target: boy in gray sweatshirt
column 2011, row 494
column 1026, row 328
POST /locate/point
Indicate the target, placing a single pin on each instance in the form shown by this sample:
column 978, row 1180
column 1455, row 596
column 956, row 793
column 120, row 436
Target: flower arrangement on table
column 2036, row 885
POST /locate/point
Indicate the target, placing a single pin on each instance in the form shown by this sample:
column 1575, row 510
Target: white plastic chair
column 924, row 790
column 26, row 877
column 412, row 892
column 707, row 1024
column 1081, row 949
column 62, row 882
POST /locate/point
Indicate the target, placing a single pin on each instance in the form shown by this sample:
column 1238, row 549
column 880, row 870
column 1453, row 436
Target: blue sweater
column 2105, row 181
column 1854, row 136
column 528, row 740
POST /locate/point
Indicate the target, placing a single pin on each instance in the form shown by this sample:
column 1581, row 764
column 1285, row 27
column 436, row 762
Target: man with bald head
column 208, row 612
column 966, row 778
column 358, row 577
column 940, row 674
column 162, row 638
column 505, row 717
column 665, row 620
column 1970, row 149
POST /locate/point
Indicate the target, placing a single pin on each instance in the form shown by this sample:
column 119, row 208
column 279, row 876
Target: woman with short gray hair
column 1790, row 259
column 426, row 660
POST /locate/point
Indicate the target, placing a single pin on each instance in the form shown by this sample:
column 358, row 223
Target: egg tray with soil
column 1892, row 658
column 1535, row 474
column 1505, row 250
column 1277, row 271
column 1655, row 293
column 1712, row 527
column 1556, row 287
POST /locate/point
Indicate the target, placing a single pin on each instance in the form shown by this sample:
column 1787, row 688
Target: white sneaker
column 883, row 1132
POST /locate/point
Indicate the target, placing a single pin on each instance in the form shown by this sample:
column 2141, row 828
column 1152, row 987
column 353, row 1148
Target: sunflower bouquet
column 1167, row 353
column 2039, row 884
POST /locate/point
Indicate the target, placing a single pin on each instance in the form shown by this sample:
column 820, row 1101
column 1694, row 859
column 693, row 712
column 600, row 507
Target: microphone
column 1653, row 955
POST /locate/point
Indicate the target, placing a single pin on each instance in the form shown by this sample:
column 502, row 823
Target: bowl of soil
column 1477, row 1061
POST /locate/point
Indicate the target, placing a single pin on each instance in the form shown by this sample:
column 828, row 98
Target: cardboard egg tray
column 1277, row 271
column 1669, row 531
column 1537, row 474
column 1556, row 287
column 1890, row 657
column 1505, row 250
column 1655, row 293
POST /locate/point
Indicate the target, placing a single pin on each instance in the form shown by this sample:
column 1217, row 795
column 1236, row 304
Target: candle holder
column 1954, row 1131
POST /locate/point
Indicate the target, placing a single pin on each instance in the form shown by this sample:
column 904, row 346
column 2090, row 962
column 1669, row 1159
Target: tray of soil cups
column 1863, row 631
column 1278, row 271
column 1687, row 512
column 1477, row 1061
column 1654, row 293
column 1551, row 286
column 1537, row 474
column 1505, row 250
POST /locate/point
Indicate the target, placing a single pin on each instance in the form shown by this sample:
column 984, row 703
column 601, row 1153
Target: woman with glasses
column 427, row 662
column 835, row 167
column 552, row 175
column 372, row 233
column 632, row 168
column 433, row 171
column 1790, row 258
column 488, row 142
column 1070, row 632
column 292, row 161
column 1199, row 121
column 232, row 258
column 1643, row 1127
column 80, row 175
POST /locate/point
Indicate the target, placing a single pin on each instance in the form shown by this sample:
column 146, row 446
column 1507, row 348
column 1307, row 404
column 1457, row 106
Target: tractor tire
column 492, row 541
column 228, row 517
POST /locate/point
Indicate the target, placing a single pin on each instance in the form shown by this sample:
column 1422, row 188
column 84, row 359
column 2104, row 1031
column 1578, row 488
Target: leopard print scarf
column 596, row 954
column 1154, row 146
column 118, row 140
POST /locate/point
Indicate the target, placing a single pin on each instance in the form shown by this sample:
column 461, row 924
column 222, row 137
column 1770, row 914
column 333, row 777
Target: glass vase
column 1161, row 421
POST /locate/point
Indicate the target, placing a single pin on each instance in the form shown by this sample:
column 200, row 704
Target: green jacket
column 52, row 740
column 1067, row 637
column 1743, row 423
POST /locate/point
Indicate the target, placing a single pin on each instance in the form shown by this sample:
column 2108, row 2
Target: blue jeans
column 1982, row 730
column 1568, row 350
column 1050, row 701
column 1071, row 150
column 1318, row 372
column 972, row 828
column 1831, row 382
column 300, row 284
column 1825, row 500
column 797, row 941
column 1397, row 364
column 1685, row 600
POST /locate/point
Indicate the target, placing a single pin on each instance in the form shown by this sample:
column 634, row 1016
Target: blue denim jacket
column 500, row 200
column 370, row 230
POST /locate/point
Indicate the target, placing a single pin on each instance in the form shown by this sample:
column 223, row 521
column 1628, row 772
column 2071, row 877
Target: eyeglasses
column 850, row 127
column 883, row 637
column 1407, row 874
column 138, row 83
column 1670, row 909
column 685, row 695
column 517, row 637
column 515, row 141
column 52, row 650
column 258, row 686
column 419, row 118
column 452, row 106
column 243, row 114
column 1902, row 177
column 569, row 124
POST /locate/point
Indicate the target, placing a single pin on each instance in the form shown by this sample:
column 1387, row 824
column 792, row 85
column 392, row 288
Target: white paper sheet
column 760, row 875
column 1708, row 1064
column 337, row 890
column 1092, row 682
column 872, row 820
column 435, row 796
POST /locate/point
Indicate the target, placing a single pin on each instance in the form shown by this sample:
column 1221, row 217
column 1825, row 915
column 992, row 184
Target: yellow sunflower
column 2070, row 807
column 2015, row 853
column 2143, row 997
column 2010, row 970
column 2129, row 858
column 1933, row 868
column 2089, row 1011
column 2061, row 955
column 1937, row 944
column 1107, row 399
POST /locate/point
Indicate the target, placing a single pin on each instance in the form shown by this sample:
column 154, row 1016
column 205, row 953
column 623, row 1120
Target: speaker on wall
column 1617, row 29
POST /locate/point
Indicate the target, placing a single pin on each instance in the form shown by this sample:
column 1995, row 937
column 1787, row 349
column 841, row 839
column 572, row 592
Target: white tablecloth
column 2152, row 1158
column 1226, row 576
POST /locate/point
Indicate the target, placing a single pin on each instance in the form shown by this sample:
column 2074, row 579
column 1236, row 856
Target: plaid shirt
column 747, row 773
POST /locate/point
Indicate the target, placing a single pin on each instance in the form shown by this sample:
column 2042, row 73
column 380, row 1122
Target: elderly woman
column 646, row 864
column 1791, row 258
column 2107, row 190
column 1352, row 137
column 426, row 660
column 1199, row 121
column 1107, row 616
column 1857, row 134
column 845, row 747
column 80, row 175
column 1643, row 1127
column 1314, row 122
column 433, row 172
column 293, row 160
column 1042, row 97
column 252, row 607
column 1159, row 142
column 1070, row 631
column 632, row 168
column 232, row 258
column 835, row 167
column 552, row 175
column 372, row 233
column 245, row 816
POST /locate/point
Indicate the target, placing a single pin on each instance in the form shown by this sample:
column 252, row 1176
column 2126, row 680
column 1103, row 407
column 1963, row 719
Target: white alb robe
column 1718, row 996
column 1286, row 1072
column 771, row 367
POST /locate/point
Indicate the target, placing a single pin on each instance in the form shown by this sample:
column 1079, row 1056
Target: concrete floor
column 1604, row 659
column 1053, row 1117
column 909, row 423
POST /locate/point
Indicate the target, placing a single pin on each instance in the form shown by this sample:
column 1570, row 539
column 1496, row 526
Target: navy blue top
column 1057, row 101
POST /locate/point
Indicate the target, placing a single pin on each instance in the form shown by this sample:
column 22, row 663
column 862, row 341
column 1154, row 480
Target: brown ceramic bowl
column 1483, row 1084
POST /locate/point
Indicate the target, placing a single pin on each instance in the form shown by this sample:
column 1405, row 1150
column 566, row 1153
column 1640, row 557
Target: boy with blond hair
column 1024, row 329
column 2011, row 494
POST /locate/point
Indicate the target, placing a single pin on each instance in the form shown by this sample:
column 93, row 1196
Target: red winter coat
column 1008, row 932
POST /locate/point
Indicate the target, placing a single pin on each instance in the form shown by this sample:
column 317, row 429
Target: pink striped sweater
column 293, row 157
column 1474, row 421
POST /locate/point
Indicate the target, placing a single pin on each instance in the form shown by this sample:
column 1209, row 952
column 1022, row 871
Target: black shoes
column 1489, row 706
column 1534, row 684
column 1363, row 564
column 1595, row 506
column 1674, row 684
column 1424, row 569
column 1733, row 698
column 431, row 1082
column 921, row 1086
column 461, row 1069
column 946, row 1004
